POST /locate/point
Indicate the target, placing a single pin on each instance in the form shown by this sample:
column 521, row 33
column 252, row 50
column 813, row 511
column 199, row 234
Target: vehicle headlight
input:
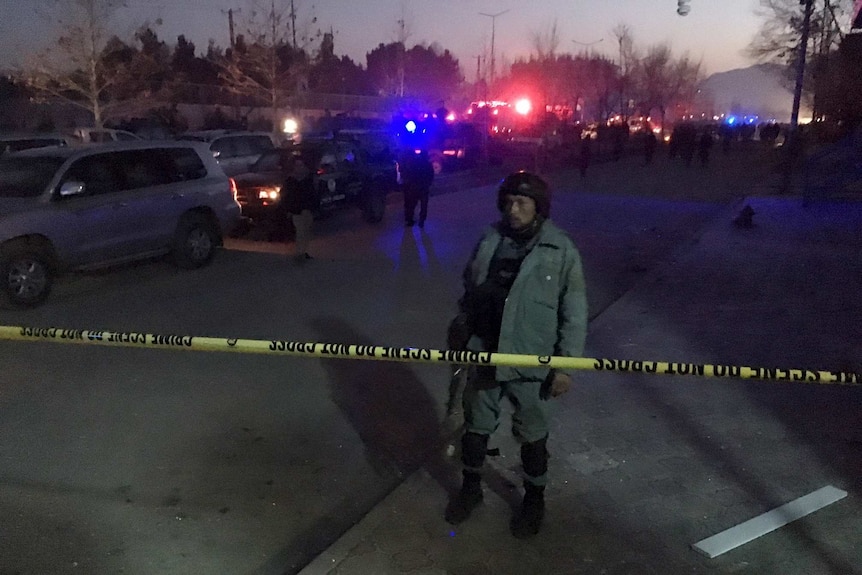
column 269, row 193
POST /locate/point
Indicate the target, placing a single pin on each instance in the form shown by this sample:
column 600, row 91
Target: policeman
column 417, row 175
column 524, row 294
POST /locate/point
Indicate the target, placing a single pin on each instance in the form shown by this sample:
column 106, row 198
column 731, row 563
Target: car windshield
column 269, row 162
column 26, row 177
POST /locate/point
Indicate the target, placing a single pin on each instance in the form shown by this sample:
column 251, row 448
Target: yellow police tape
column 420, row 355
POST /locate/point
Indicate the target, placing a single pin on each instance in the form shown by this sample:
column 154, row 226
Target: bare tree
column 627, row 56
column 79, row 69
column 546, row 42
column 777, row 41
column 263, row 67
column 662, row 81
column 403, row 32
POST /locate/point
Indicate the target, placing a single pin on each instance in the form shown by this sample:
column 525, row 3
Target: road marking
column 770, row 521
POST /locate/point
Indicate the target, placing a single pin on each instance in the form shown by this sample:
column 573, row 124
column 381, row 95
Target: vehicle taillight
column 233, row 188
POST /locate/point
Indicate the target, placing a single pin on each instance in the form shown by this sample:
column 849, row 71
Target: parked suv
column 102, row 135
column 346, row 174
column 18, row 142
column 234, row 151
column 73, row 208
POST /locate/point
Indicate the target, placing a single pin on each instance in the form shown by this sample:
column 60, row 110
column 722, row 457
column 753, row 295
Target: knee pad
column 473, row 449
column 534, row 457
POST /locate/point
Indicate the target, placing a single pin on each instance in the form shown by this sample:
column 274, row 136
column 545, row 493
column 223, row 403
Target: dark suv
column 345, row 174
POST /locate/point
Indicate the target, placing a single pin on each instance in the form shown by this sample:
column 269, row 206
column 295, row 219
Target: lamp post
column 493, row 18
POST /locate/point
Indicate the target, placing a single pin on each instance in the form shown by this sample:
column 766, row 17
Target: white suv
column 73, row 208
column 102, row 135
column 234, row 151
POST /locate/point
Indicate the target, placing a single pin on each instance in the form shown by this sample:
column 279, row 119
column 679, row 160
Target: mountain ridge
column 757, row 90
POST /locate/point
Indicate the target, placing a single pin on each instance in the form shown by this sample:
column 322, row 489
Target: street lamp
column 493, row 18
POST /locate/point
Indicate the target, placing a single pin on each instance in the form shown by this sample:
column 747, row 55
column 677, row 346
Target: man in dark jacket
column 300, row 201
column 524, row 294
column 417, row 175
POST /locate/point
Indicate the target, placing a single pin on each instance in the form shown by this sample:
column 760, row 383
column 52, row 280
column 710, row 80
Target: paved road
column 146, row 462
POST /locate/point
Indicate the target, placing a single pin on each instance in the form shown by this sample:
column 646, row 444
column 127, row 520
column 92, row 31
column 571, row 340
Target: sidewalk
column 643, row 466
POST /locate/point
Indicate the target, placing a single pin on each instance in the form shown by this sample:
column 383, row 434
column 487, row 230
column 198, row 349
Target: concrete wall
column 21, row 115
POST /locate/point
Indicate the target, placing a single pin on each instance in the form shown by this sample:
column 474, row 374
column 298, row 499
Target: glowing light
column 410, row 126
column 450, row 117
column 291, row 126
column 523, row 106
column 269, row 193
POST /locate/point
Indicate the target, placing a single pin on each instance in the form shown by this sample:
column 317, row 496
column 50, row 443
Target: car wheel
column 195, row 241
column 26, row 273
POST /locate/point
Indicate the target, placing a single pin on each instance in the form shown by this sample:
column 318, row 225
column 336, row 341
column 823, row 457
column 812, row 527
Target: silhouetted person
column 650, row 143
column 585, row 155
column 300, row 201
column 687, row 136
column 727, row 133
column 417, row 175
column 704, row 145
column 619, row 134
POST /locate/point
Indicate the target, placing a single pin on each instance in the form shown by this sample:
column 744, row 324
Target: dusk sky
column 716, row 30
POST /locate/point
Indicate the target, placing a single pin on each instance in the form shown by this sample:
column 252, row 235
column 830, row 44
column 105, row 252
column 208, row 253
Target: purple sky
column 715, row 30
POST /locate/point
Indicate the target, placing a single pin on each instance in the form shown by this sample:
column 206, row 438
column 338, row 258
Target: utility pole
column 493, row 18
column 794, row 152
column 478, row 74
column 800, row 66
column 624, row 104
column 402, row 39
column 293, row 23
column 623, row 36
column 230, row 28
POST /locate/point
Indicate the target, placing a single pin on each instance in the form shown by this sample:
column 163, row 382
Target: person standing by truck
column 417, row 175
column 300, row 201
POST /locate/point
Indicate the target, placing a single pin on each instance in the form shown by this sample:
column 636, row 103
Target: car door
column 97, row 224
column 349, row 162
column 153, row 196
column 125, row 209
column 329, row 179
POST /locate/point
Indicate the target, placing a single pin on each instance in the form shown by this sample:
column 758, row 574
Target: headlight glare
column 269, row 193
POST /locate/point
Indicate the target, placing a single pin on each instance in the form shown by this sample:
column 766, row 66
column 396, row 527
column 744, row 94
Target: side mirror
column 71, row 189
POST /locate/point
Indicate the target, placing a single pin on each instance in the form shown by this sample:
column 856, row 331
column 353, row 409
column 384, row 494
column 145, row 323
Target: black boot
column 473, row 449
column 528, row 521
column 470, row 496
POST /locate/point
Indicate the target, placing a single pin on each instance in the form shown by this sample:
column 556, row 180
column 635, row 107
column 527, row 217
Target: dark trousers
column 412, row 196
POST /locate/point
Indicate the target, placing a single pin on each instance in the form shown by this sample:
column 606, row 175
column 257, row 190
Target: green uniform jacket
column 546, row 310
